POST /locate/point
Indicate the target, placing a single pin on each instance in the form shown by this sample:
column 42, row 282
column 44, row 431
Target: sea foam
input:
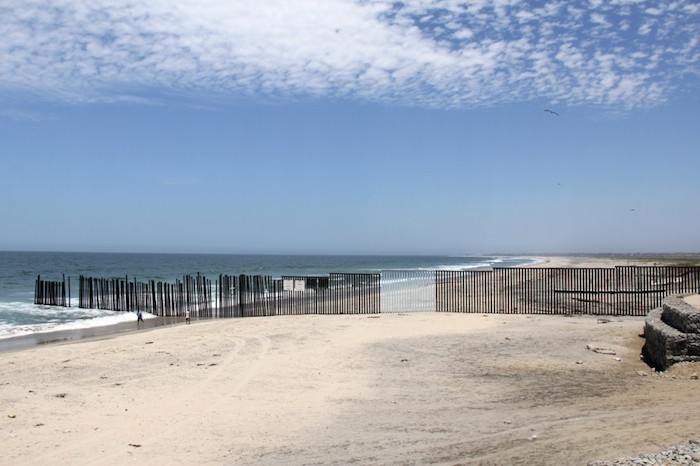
column 24, row 318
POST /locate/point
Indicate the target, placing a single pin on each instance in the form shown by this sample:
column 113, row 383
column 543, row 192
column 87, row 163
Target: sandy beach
column 606, row 261
column 410, row 388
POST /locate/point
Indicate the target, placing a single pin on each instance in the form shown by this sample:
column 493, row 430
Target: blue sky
column 350, row 126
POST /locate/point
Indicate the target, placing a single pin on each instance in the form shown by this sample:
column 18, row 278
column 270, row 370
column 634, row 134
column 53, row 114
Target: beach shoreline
column 549, row 261
column 30, row 340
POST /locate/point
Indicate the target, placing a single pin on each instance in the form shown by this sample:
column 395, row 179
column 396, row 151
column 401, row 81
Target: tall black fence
column 162, row 299
column 628, row 290
column 339, row 293
column 231, row 296
column 305, row 295
column 52, row 293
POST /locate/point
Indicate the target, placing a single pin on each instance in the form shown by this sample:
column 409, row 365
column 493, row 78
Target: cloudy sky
column 350, row 126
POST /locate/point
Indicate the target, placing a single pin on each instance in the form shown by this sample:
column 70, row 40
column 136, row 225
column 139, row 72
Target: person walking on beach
column 139, row 317
column 187, row 316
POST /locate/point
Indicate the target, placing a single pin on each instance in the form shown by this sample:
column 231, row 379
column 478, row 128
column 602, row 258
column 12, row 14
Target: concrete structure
column 672, row 332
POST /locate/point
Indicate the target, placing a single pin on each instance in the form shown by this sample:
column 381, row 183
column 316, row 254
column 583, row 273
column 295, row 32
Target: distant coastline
column 614, row 259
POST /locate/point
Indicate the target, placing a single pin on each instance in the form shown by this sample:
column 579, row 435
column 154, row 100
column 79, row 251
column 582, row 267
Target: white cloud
column 420, row 52
column 600, row 19
column 646, row 28
column 24, row 115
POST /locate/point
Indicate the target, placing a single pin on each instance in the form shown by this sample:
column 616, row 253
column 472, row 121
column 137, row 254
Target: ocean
column 19, row 270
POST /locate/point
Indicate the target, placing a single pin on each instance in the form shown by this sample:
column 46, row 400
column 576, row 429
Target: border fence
column 623, row 290
column 339, row 293
column 52, row 293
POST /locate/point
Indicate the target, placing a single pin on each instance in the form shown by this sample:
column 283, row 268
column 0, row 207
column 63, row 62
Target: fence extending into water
column 628, row 290
column 232, row 296
column 159, row 298
column 52, row 293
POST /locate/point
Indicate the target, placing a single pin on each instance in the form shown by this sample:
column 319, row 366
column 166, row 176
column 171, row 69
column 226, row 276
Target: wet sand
column 62, row 336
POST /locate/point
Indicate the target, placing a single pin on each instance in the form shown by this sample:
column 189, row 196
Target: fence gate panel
column 408, row 291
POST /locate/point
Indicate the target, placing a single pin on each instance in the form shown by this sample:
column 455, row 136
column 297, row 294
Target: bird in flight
column 552, row 112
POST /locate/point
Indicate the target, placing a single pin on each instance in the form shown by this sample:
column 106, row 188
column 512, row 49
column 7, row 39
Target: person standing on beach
column 187, row 316
column 139, row 317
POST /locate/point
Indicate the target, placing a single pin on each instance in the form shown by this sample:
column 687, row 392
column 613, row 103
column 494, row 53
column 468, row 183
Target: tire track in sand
column 197, row 396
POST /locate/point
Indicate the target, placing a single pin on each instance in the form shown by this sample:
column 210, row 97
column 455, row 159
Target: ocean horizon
column 19, row 270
